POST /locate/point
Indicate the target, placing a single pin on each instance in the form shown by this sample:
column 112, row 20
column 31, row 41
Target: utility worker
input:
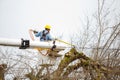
column 44, row 34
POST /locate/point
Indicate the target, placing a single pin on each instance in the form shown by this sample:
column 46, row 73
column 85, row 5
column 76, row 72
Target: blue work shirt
column 47, row 37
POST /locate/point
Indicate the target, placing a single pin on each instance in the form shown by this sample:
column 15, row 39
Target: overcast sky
column 17, row 16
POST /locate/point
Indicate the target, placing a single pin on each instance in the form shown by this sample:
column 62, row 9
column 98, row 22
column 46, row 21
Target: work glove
column 34, row 31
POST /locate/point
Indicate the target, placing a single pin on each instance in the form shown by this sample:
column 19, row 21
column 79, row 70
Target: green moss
column 65, row 61
column 85, row 62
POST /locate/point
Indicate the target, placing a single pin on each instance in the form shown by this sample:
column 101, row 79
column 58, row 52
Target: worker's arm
column 49, row 37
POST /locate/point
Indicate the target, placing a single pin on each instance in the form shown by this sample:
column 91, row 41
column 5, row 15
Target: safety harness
column 44, row 35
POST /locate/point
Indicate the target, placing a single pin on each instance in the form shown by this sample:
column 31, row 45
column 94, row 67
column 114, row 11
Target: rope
column 65, row 42
column 31, row 34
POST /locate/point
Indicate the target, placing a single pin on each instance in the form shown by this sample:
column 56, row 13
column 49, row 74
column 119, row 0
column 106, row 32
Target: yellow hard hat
column 48, row 26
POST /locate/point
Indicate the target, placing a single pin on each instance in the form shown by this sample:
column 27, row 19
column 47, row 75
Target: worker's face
column 48, row 29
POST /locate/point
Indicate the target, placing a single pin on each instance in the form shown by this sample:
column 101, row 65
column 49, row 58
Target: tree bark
column 2, row 71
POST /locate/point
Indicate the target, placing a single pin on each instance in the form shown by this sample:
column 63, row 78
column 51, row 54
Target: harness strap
column 44, row 35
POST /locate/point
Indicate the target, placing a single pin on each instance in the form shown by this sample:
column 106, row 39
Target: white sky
column 17, row 16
